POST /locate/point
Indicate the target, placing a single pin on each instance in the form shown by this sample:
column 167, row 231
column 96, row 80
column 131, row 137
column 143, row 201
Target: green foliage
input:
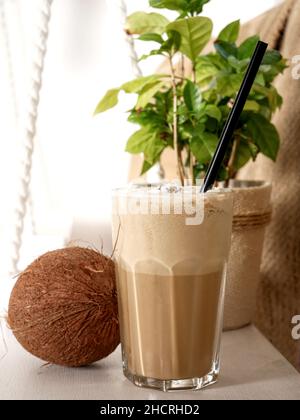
column 109, row 101
column 149, row 143
column 220, row 75
column 230, row 33
column 192, row 96
column 226, row 49
column 204, row 100
column 148, row 92
column 140, row 23
column 181, row 6
column 152, row 37
column 214, row 112
column 246, row 49
column 168, row 46
column 204, row 146
column 195, row 33
column 264, row 135
column 145, row 87
column 178, row 5
column 137, row 85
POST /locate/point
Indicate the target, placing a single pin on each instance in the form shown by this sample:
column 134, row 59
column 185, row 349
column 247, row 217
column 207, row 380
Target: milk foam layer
column 164, row 244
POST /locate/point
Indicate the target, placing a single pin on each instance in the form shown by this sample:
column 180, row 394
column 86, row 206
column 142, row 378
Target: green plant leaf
column 213, row 112
column 218, row 61
column 264, row 135
column 243, row 155
column 110, row 100
column 266, row 112
column 265, row 68
column 154, row 149
column 275, row 69
column 226, row 49
column 260, row 79
column 274, row 99
column 152, row 38
column 223, row 174
column 151, row 54
column 272, row 57
column 178, row 5
column 247, row 48
column 228, row 85
column 234, row 62
column 146, row 167
column 147, row 117
column 188, row 6
column 192, row 96
column 203, row 146
column 172, row 44
column 252, row 106
column 206, row 70
column 137, row 142
column 137, row 85
column 195, row 33
column 196, row 6
column 238, row 65
column 230, row 33
column 254, row 150
column 140, row 23
column 148, row 92
column 148, row 142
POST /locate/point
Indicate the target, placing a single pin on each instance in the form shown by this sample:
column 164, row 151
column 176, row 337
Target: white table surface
column 251, row 369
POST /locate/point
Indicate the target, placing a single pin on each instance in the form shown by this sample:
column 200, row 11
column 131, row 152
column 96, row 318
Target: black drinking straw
column 234, row 116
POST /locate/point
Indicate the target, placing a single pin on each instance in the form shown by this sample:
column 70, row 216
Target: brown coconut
column 63, row 308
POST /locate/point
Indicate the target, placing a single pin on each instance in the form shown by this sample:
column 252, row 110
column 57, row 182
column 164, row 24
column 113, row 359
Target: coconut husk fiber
column 63, row 308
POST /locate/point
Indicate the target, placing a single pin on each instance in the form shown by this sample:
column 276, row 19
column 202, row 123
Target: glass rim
column 144, row 190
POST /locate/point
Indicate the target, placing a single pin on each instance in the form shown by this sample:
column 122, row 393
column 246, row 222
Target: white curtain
column 78, row 158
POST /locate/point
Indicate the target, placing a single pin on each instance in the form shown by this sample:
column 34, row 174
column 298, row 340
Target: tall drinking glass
column 171, row 254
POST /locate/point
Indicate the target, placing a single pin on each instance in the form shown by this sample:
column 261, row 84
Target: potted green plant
column 186, row 112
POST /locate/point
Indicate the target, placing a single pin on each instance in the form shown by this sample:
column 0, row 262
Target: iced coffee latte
column 171, row 254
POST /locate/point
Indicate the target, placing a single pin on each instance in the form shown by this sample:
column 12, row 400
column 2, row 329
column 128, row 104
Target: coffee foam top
column 156, row 243
column 165, row 189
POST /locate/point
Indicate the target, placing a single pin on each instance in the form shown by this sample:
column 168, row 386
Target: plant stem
column 230, row 167
column 194, row 73
column 192, row 175
column 193, row 179
column 182, row 79
column 182, row 66
column 175, row 124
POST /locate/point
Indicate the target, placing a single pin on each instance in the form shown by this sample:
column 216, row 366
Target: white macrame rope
column 136, row 70
column 12, row 85
column 30, row 130
column 7, row 46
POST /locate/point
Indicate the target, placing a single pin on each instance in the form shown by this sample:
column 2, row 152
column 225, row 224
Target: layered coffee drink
column 171, row 252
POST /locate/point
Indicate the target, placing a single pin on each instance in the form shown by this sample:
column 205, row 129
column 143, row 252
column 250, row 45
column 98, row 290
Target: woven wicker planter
column 252, row 213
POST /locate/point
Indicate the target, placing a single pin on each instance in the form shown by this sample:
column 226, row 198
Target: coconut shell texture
column 63, row 308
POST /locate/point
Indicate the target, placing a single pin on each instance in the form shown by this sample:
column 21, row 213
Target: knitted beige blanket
column 279, row 294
